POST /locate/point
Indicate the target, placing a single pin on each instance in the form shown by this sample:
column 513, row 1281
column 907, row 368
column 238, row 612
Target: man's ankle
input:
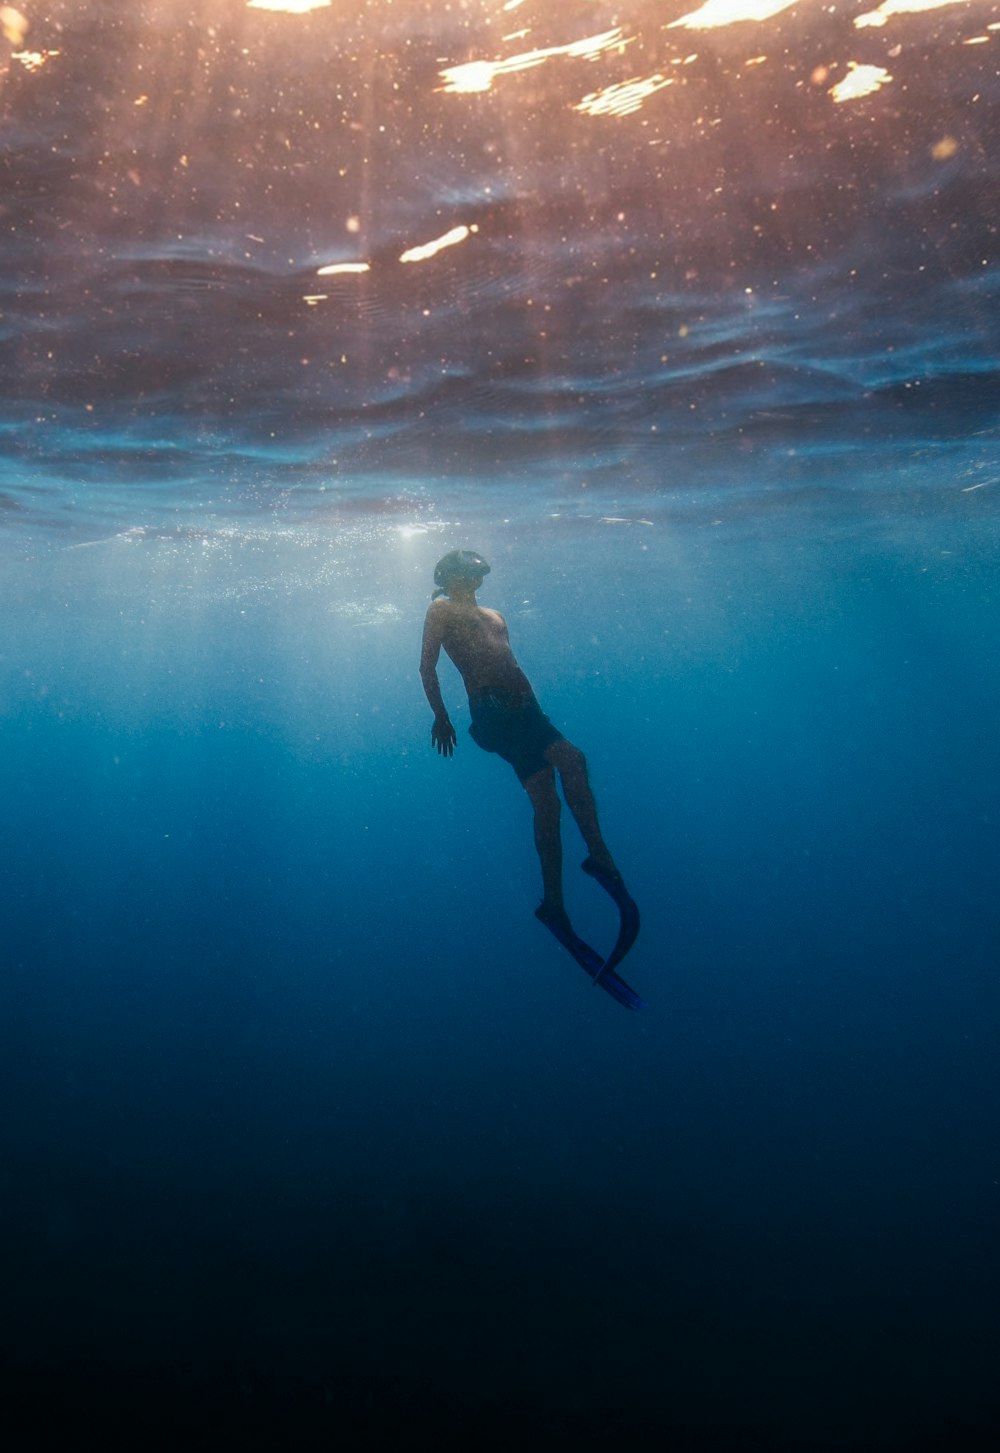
column 552, row 908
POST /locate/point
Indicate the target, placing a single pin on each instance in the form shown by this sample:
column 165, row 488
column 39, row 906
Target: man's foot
column 555, row 918
column 602, row 865
column 553, row 915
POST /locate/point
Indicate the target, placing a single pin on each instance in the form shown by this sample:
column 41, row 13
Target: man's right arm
column 443, row 734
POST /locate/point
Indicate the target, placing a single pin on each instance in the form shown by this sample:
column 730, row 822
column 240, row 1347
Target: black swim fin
column 628, row 912
column 589, row 960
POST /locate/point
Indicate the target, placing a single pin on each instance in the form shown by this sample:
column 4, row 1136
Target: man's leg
column 541, row 789
column 571, row 765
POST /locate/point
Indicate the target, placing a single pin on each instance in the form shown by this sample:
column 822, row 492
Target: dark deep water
column 311, row 1137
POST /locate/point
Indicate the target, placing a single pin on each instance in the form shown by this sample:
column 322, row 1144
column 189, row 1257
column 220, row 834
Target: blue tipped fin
column 610, row 982
column 562, row 930
column 589, row 959
column 628, row 912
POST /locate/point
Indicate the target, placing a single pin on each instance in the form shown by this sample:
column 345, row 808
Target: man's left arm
column 443, row 734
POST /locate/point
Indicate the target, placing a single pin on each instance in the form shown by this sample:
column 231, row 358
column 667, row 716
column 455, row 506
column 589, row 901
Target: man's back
column 476, row 640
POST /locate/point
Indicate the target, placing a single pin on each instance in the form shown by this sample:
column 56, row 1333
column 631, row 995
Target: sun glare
column 289, row 7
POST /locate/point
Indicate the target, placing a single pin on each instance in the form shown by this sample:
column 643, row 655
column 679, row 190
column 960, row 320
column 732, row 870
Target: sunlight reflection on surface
column 622, row 98
column 291, row 7
column 860, row 81
column 901, row 7
column 479, row 75
column 33, row 60
column 715, row 13
column 428, row 249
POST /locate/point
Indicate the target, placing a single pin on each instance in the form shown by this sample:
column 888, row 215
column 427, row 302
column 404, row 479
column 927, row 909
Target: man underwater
column 507, row 719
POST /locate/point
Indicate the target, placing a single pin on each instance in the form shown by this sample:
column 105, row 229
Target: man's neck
column 462, row 595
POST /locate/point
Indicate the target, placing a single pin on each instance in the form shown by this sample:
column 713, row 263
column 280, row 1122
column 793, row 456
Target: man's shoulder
column 440, row 610
column 439, row 618
column 445, row 610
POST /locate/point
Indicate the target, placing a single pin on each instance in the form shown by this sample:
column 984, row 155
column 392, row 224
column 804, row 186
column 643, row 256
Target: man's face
column 468, row 582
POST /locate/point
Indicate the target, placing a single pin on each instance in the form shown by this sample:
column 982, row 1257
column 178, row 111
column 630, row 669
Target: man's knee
column 541, row 788
column 567, row 758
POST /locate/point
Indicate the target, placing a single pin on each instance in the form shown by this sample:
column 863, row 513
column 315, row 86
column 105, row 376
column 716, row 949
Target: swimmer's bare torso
column 476, row 640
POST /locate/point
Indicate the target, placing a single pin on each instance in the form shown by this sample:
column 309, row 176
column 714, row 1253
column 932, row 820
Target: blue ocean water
column 686, row 320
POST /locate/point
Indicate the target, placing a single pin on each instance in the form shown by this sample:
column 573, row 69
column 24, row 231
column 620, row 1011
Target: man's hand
column 443, row 736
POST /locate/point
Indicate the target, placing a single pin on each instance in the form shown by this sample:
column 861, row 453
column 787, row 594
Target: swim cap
column 459, row 565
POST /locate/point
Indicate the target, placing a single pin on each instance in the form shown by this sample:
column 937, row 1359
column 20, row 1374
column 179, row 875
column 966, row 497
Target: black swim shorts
column 516, row 729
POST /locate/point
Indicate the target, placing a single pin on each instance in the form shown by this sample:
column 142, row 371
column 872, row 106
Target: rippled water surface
column 421, row 247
